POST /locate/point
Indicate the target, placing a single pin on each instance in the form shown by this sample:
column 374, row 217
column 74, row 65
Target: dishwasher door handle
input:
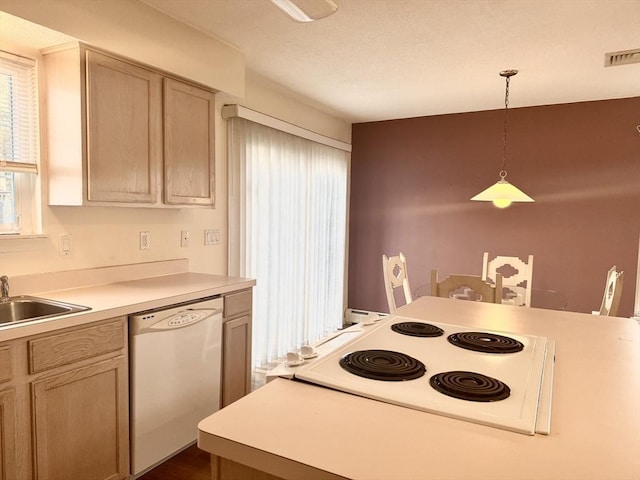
column 182, row 319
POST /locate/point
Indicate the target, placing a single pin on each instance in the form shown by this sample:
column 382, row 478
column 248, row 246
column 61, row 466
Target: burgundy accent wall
column 411, row 181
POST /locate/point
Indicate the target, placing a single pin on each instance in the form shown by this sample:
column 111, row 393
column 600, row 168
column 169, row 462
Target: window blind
column 18, row 114
column 287, row 229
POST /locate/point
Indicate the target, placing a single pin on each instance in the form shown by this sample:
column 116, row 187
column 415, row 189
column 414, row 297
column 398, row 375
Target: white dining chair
column 394, row 272
column 516, row 277
column 473, row 286
column 612, row 293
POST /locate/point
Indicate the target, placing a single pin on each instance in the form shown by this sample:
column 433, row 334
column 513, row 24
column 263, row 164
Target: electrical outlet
column 145, row 240
column 212, row 237
column 184, row 238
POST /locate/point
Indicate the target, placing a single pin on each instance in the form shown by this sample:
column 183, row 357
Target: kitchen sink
column 25, row 308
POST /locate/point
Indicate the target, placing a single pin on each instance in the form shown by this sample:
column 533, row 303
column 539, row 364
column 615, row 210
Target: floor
column 192, row 463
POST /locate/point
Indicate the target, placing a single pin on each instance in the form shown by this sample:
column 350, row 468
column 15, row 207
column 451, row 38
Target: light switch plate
column 65, row 245
column 212, row 237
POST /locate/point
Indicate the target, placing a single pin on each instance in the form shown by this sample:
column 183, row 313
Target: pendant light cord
column 503, row 172
column 502, row 193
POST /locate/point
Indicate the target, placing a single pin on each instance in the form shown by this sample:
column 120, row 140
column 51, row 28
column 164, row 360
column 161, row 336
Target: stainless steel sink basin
column 25, row 308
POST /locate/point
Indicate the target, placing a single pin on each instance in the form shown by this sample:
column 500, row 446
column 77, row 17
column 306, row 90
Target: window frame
column 27, row 179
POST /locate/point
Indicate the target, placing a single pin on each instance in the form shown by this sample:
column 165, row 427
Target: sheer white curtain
column 288, row 202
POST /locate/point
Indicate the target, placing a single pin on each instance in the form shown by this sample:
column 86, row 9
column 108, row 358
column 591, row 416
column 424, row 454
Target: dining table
column 540, row 297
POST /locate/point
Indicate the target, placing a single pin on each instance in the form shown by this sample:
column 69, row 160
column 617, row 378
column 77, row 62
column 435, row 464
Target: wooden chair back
column 473, row 286
column 516, row 277
column 612, row 293
column 394, row 271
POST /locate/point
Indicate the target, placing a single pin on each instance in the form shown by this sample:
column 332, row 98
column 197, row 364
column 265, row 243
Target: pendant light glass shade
column 502, row 193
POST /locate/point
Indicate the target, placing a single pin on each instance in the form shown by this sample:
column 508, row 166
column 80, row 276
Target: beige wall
column 103, row 236
column 267, row 97
column 133, row 29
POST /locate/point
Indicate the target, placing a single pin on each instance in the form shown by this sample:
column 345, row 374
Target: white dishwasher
column 175, row 354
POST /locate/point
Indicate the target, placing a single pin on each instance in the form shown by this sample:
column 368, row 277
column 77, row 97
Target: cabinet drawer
column 6, row 364
column 65, row 348
column 237, row 303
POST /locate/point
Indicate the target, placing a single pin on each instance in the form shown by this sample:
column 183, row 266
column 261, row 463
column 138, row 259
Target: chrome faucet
column 4, row 288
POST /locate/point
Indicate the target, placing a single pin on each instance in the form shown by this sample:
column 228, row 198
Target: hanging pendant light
column 503, row 193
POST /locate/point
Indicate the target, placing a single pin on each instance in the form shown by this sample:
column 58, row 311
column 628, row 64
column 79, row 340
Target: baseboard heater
column 352, row 315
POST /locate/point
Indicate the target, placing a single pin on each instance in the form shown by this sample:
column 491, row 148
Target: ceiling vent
column 623, row 57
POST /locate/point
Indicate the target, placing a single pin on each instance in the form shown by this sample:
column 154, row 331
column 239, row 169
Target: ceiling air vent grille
column 623, row 57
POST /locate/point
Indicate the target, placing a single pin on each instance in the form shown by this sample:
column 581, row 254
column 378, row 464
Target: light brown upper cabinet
column 188, row 144
column 116, row 138
column 124, row 131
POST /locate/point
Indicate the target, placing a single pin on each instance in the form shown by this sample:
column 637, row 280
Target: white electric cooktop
column 527, row 373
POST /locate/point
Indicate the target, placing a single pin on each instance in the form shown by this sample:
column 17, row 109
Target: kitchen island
column 295, row 430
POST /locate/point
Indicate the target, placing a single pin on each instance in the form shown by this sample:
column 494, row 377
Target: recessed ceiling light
column 306, row 10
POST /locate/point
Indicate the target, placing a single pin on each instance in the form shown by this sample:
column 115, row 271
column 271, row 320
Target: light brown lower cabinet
column 8, row 453
column 80, row 423
column 236, row 346
column 64, row 412
column 236, row 362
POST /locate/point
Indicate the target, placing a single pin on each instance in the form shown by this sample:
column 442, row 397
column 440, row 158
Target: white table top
column 291, row 429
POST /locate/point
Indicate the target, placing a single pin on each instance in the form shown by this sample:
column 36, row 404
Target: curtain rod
column 229, row 111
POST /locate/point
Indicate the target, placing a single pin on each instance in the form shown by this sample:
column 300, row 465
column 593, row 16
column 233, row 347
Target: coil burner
column 417, row 329
column 470, row 386
column 383, row 365
column 485, row 342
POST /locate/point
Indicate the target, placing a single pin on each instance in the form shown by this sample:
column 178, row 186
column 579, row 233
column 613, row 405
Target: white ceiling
column 386, row 59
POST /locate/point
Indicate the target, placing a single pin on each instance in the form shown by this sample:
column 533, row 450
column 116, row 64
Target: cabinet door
column 124, row 131
column 8, row 452
column 236, row 362
column 80, row 423
column 189, row 177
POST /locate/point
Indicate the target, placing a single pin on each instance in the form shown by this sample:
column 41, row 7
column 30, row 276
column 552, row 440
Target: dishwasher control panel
column 184, row 319
column 176, row 316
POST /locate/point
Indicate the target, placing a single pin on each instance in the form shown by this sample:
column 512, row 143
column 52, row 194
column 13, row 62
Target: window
column 288, row 201
column 19, row 141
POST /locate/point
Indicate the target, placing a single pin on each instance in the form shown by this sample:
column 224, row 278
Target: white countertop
column 123, row 297
column 295, row 430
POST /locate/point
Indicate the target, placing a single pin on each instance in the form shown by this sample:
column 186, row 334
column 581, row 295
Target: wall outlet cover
column 145, row 240
column 184, row 238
